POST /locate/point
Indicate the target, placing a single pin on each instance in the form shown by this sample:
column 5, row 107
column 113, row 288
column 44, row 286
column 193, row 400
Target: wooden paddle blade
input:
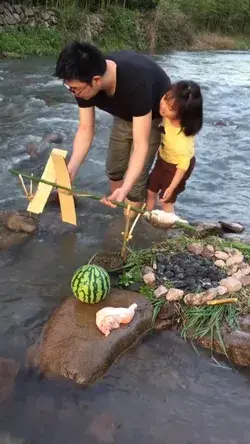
column 41, row 196
column 66, row 199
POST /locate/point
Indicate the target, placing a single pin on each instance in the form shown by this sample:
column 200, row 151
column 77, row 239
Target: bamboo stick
column 74, row 192
column 125, row 234
column 79, row 193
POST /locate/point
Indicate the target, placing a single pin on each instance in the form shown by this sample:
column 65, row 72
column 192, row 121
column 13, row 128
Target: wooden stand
column 55, row 171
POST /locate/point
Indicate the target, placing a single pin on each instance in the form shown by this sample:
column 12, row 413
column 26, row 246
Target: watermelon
column 90, row 284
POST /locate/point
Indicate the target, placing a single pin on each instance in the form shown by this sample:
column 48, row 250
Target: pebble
column 232, row 285
column 160, row 292
column 208, row 251
column 174, row 294
column 235, row 259
column 195, row 248
column 221, row 290
column 147, row 270
column 149, row 279
column 221, row 255
column 220, row 263
column 245, row 280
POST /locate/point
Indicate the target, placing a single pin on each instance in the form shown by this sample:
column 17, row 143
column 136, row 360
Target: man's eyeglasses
column 75, row 91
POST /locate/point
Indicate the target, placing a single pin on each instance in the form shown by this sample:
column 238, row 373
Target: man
column 129, row 86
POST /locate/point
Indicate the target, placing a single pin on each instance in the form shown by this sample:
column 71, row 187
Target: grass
column 207, row 321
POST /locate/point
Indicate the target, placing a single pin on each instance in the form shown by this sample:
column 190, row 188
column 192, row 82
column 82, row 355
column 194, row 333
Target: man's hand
column 118, row 195
column 167, row 194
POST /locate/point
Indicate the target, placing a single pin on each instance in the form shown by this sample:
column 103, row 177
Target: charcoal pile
column 188, row 272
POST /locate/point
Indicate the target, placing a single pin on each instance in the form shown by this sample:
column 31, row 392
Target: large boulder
column 71, row 346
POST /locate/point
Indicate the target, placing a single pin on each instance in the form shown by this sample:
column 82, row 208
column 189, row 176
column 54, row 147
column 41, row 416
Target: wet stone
column 65, row 348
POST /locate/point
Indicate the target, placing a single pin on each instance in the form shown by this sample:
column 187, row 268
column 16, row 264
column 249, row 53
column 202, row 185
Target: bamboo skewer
column 75, row 192
column 79, row 193
column 23, row 186
column 126, row 233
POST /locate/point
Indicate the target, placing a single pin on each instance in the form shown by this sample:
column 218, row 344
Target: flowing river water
column 162, row 391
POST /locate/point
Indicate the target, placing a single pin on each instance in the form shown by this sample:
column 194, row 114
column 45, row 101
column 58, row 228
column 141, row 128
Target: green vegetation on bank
column 144, row 25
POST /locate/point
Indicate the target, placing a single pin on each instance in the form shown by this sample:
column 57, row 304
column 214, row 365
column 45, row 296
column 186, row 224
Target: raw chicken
column 110, row 318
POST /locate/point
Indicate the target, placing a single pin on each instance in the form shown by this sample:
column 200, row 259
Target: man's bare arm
column 141, row 133
column 83, row 139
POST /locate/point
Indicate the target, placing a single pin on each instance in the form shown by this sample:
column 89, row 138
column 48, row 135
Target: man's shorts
column 119, row 152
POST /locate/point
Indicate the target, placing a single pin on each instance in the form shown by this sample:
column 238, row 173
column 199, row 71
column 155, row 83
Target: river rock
column 147, row 270
column 200, row 298
column 245, row 268
column 220, row 264
column 232, row 227
column 174, row 294
column 232, row 285
column 22, row 223
column 208, row 251
column 235, row 260
column 245, row 280
column 195, row 248
column 8, row 371
column 149, row 279
column 237, row 344
column 160, row 292
column 221, row 290
column 209, row 229
column 231, row 270
column 221, row 255
column 71, row 346
column 162, row 324
column 244, row 323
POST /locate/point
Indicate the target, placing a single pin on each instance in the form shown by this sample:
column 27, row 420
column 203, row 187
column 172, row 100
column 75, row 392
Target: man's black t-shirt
column 140, row 85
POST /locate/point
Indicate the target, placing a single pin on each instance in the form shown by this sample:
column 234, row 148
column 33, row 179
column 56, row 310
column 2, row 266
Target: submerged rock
column 15, row 228
column 231, row 227
column 21, row 223
column 71, row 346
column 209, row 229
column 8, row 371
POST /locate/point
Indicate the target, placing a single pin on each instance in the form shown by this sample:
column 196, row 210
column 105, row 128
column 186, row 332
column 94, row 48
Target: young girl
column 182, row 112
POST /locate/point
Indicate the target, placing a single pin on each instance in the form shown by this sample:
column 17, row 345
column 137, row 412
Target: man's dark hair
column 80, row 61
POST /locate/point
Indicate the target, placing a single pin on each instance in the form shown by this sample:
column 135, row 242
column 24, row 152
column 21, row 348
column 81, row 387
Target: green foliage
column 228, row 16
column 172, row 28
column 26, row 40
column 123, row 29
column 73, row 23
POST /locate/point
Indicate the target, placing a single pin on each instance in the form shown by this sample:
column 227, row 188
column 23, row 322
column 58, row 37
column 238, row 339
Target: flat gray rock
column 72, row 347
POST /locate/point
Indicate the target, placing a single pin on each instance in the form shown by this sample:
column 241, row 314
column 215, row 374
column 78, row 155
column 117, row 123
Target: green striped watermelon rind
column 90, row 283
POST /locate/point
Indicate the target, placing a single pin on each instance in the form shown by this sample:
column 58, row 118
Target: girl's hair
column 188, row 103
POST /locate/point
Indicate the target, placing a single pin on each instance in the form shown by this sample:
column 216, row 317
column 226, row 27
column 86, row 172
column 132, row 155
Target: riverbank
column 37, row 32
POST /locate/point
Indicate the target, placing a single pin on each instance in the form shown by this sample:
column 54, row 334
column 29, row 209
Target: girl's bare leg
column 151, row 200
column 167, row 207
